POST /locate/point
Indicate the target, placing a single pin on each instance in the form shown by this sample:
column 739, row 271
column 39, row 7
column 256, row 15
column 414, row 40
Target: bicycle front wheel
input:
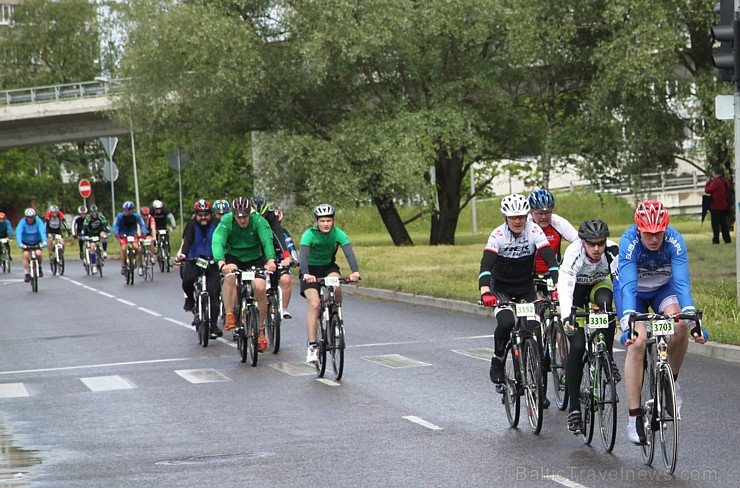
column 647, row 400
column 587, row 400
column 53, row 265
column 322, row 342
column 533, row 388
column 558, row 360
column 253, row 333
column 203, row 317
column 668, row 416
column 60, row 261
column 35, row 276
column 336, row 346
column 606, row 402
column 241, row 332
column 511, row 391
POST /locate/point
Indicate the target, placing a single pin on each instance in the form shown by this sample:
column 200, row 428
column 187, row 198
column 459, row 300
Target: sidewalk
column 714, row 350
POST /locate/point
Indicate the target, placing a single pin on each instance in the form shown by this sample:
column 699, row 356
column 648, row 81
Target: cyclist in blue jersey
column 31, row 231
column 129, row 223
column 653, row 272
column 6, row 230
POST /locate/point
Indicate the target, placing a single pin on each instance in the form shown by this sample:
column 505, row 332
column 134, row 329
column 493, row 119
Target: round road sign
column 85, row 188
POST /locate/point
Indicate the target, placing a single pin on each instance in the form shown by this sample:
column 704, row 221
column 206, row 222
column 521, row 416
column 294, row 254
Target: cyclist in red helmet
column 653, row 272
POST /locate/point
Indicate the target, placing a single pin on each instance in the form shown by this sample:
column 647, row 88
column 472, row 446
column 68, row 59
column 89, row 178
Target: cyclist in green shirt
column 319, row 245
column 241, row 241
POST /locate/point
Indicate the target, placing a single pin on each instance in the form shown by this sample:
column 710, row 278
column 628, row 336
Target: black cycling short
column 256, row 263
column 319, row 272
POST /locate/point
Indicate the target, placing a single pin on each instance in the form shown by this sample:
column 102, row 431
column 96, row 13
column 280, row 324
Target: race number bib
column 598, row 321
column 331, row 281
column 525, row 310
column 202, row 263
column 664, row 327
column 248, row 275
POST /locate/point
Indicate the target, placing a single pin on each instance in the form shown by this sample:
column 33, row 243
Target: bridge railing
column 57, row 93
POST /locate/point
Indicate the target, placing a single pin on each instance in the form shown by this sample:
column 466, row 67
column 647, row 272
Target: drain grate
column 215, row 459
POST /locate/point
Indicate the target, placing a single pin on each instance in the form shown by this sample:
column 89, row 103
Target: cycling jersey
column 278, row 234
column 319, row 249
column 162, row 217
column 197, row 239
column 6, row 229
column 558, row 230
column 77, row 225
column 54, row 223
column 150, row 226
column 31, row 234
column 243, row 244
column 127, row 224
column 509, row 258
column 93, row 226
column 578, row 269
column 646, row 272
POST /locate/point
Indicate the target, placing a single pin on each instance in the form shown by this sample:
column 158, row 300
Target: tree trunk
column 449, row 174
column 392, row 220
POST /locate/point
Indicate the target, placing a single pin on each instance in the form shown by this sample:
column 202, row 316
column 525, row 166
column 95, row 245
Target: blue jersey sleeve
column 117, row 224
column 676, row 250
column 628, row 255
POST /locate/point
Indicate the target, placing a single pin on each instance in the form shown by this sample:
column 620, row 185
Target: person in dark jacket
column 719, row 187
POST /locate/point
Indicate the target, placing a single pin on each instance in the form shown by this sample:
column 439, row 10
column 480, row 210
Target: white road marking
column 12, row 390
column 106, row 294
column 327, row 381
column 422, row 422
column 564, row 481
column 207, row 375
column 125, row 302
column 150, row 312
column 100, row 365
column 106, row 383
column 89, row 288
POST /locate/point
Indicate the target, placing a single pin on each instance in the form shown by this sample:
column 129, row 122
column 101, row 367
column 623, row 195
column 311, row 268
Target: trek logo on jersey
column 515, row 251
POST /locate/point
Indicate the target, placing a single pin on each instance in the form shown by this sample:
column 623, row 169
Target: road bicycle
column 163, row 250
column 598, row 392
column 56, row 261
column 5, row 254
column 555, row 344
column 274, row 315
column 202, row 300
column 147, row 259
column 247, row 330
column 93, row 258
column 522, row 366
column 34, row 267
column 130, row 260
column 331, row 327
column 658, row 395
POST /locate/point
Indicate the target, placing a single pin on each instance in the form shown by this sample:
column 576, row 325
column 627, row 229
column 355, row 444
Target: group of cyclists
column 249, row 235
column 647, row 268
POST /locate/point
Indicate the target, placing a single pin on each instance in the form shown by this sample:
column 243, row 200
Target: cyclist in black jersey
column 507, row 271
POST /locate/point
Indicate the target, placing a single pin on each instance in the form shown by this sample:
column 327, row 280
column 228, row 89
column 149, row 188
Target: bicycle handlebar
column 643, row 317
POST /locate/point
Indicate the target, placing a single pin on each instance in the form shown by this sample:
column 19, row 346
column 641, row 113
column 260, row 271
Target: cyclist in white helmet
column 317, row 258
column 507, row 270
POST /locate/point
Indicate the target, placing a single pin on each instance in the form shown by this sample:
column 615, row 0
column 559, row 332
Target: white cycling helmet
column 515, row 204
column 324, row 210
column 82, row 209
column 157, row 204
column 29, row 212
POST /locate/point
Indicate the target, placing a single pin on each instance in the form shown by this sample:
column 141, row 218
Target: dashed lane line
column 422, row 422
column 564, row 481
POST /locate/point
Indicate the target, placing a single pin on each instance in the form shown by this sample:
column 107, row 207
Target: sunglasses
column 203, row 214
column 596, row 243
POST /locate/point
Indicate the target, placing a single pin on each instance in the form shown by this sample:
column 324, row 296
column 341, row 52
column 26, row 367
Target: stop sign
column 85, row 188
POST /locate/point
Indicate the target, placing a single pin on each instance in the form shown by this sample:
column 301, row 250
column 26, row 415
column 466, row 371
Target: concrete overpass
column 56, row 114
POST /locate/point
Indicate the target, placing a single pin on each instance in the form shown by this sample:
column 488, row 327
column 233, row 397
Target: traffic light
column 728, row 33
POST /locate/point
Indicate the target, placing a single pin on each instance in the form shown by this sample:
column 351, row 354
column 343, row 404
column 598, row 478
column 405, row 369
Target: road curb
column 714, row 350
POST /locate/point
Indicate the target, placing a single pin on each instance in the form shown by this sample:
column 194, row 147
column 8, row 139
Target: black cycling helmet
column 593, row 229
column 259, row 204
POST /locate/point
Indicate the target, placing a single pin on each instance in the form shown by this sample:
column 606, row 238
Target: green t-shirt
column 246, row 244
column 323, row 246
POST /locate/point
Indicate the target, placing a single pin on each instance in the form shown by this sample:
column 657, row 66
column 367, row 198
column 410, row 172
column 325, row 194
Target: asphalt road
column 103, row 384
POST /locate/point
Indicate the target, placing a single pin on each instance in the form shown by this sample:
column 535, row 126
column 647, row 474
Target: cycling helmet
column 515, row 204
column 128, row 205
column 82, row 209
column 93, row 209
column 54, row 209
column 651, row 216
column 541, row 200
column 279, row 214
column 203, row 206
column 157, row 204
column 144, row 211
column 221, row 206
column 259, row 204
column 241, row 206
column 593, row 229
column 324, row 210
column 29, row 212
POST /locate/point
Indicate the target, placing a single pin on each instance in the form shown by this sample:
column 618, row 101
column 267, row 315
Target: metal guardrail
column 654, row 182
column 56, row 93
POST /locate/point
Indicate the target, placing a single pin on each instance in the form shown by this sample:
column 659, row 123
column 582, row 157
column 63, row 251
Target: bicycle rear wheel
column 668, row 416
column 587, row 402
column 606, row 402
column 253, row 333
column 647, row 395
column 272, row 323
column 336, row 345
column 558, row 360
column 533, row 388
column 510, row 389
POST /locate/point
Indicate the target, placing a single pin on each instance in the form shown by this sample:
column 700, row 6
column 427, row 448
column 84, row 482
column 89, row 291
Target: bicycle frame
column 202, row 298
column 331, row 326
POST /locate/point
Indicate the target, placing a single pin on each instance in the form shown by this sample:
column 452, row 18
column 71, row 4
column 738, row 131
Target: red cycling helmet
column 202, row 206
column 651, row 216
column 241, row 206
column 144, row 211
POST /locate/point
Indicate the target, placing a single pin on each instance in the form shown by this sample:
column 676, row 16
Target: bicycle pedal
column 501, row 389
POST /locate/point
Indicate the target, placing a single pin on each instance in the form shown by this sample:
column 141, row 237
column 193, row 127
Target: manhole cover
column 216, row 458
